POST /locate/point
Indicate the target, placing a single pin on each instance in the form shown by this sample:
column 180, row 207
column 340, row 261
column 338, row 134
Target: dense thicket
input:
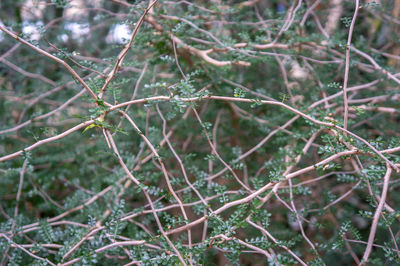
column 199, row 132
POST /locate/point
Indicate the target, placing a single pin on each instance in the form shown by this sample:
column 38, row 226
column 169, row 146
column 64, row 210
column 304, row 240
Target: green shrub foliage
column 240, row 132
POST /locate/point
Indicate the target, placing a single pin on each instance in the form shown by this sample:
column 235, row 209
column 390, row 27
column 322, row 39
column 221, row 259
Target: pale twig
column 366, row 243
column 296, row 160
column 58, row 60
column 308, row 12
column 53, row 221
column 124, row 51
column 317, row 179
column 294, row 110
column 204, row 54
column 275, row 241
column 235, row 239
column 19, row 192
column 377, row 214
column 214, row 151
column 18, row 198
column 263, row 189
column 291, row 16
column 44, row 141
column 34, row 227
column 26, row 251
column 134, row 92
column 376, row 65
column 178, row 158
column 172, row 206
column 345, row 195
column 114, row 147
column 347, row 66
column 158, row 158
column 77, row 245
column 176, row 57
column 119, row 244
column 10, row 51
column 48, row 93
column 26, row 73
column 352, row 253
column 223, row 98
column 73, row 60
column 163, row 170
column 30, row 121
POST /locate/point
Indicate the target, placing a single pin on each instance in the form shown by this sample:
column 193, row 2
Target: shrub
column 199, row 132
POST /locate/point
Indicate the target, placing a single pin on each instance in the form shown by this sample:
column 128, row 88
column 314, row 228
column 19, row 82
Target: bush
column 199, row 132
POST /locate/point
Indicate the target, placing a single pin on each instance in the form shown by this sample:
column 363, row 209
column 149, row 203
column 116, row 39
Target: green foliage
column 266, row 79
